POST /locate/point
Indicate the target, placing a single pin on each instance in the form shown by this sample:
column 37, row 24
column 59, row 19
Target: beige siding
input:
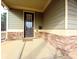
column 38, row 20
column 15, row 19
column 54, row 16
column 72, row 14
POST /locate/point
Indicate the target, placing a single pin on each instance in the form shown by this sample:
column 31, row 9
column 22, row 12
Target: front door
column 28, row 24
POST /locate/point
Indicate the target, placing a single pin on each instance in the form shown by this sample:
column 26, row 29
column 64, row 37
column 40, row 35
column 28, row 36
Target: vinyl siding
column 72, row 14
column 54, row 16
column 15, row 19
column 38, row 20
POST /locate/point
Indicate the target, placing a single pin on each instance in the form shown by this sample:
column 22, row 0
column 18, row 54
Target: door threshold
column 28, row 38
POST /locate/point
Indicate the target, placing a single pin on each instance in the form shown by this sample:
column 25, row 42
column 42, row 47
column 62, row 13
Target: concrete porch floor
column 38, row 49
column 35, row 49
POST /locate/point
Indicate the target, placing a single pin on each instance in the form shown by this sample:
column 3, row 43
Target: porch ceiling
column 34, row 5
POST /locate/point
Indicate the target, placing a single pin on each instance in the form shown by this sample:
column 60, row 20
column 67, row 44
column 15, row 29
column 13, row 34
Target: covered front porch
column 39, row 29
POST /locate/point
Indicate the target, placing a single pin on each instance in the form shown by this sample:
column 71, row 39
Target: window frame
column 5, row 10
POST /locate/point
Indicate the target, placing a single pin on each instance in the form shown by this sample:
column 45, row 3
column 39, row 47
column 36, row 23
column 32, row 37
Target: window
column 3, row 18
column 3, row 21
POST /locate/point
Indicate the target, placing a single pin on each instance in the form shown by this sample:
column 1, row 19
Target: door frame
column 33, row 21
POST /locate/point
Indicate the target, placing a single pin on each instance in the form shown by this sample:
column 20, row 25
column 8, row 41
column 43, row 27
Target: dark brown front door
column 28, row 24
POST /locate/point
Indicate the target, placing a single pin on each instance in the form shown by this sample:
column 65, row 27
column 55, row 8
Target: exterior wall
column 15, row 19
column 54, row 16
column 38, row 20
column 16, row 23
column 67, row 45
column 72, row 14
column 15, row 35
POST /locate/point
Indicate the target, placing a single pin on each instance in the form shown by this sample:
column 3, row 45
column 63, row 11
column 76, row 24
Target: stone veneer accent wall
column 66, row 44
column 15, row 35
